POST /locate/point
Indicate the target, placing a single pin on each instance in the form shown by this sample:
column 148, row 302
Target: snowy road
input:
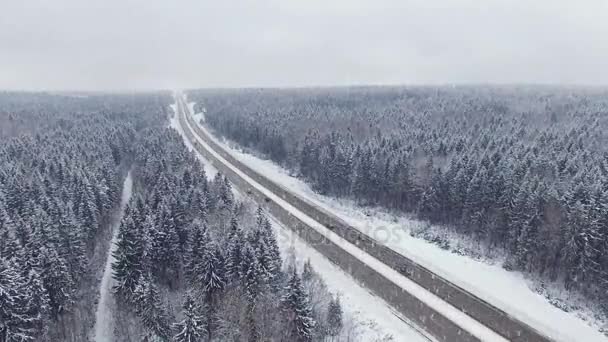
column 444, row 321
column 373, row 317
column 104, row 327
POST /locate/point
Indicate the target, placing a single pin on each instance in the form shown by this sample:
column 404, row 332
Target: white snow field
column 508, row 291
column 453, row 314
column 104, row 320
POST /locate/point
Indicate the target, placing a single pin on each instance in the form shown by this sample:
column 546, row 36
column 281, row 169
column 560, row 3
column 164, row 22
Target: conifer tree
column 150, row 309
column 192, row 327
column 15, row 322
column 334, row 317
column 57, row 281
column 297, row 311
column 128, row 255
column 209, row 272
column 199, row 240
column 234, row 257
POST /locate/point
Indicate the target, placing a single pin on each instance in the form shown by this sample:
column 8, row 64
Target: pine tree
column 203, row 204
column 57, row 281
column 429, row 204
column 192, row 327
column 226, row 195
column 250, row 268
column 297, row 311
column 267, row 249
column 234, row 257
column 9, row 246
column 150, row 309
column 199, row 240
column 89, row 215
column 128, row 255
column 72, row 243
column 308, row 157
column 209, row 272
column 15, row 323
column 334, row 317
column 361, row 184
column 165, row 243
column 270, row 239
column 36, row 303
column 216, row 189
column 307, row 271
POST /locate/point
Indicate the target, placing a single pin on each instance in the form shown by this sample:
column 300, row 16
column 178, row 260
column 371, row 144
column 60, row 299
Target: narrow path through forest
column 104, row 327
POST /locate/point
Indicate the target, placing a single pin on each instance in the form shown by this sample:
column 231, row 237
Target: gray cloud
column 143, row 44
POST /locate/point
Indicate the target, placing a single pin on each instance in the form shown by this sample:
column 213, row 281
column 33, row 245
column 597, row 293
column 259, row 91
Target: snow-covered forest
column 192, row 261
column 520, row 170
column 62, row 161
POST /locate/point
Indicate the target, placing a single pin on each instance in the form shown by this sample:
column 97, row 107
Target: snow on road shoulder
column 374, row 318
column 506, row 290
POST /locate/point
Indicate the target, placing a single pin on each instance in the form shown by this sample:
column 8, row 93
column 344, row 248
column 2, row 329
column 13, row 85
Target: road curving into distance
column 481, row 322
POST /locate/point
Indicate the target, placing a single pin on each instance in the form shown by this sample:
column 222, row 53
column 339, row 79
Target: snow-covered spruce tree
column 206, row 267
column 15, row 322
column 215, row 188
column 270, row 257
column 72, row 243
column 225, row 193
column 150, row 309
column 234, row 256
column 334, row 321
column 36, row 303
column 297, row 311
column 192, row 328
column 253, row 274
column 209, row 279
column 197, row 245
column 202, row 200
column 57, row 281
column 9, row 246
column 164, row 244
column 127, row 267
column 319, row 299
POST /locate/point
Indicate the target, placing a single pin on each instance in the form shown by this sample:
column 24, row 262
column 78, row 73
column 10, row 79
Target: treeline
column 58, row 188
column 185, row 237
column 520, row 169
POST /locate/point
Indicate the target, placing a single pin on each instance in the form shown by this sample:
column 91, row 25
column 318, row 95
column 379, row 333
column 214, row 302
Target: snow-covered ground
column 104, row 320
column 374, row 318
column 506, row 290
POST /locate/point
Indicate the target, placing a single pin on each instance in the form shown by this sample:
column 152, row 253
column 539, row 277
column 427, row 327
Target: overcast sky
column 143, row 44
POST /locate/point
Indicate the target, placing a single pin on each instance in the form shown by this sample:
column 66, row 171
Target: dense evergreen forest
column 62, row 162
column 523, row 170
column 191, row 262
column 195, row 264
